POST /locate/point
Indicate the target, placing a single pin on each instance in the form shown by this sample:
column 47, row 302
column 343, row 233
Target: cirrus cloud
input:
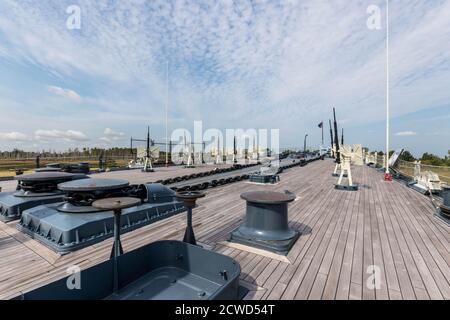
column 67, row 93
column 406, row 134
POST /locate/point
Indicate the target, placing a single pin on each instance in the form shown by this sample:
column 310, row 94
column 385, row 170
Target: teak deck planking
column 343, row 233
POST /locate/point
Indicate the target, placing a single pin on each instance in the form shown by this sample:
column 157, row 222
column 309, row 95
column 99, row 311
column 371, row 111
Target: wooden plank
column 257, row 251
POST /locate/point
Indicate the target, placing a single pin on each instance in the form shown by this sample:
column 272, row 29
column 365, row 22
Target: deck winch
column 73, row 224
column 266, row 222
column 33, row 190
column 267, row 174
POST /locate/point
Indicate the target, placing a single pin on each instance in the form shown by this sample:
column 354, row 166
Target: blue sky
column 233, row 64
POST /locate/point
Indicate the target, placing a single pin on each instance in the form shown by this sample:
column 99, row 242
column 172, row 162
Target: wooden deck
column 385, row 225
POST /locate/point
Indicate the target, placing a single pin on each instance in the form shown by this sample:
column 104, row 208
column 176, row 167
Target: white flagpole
column 167, row 107
column 387, row 89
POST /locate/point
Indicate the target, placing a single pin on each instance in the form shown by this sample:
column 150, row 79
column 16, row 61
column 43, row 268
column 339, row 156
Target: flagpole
column 322, row 133
column 387, row 175
column 167, row 107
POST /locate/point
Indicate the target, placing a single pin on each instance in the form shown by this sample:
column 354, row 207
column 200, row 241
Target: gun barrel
column 331, row 134
column 336, row 138
column 148, row 142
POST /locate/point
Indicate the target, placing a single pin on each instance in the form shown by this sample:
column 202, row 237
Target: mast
column 148, row 142
column 331, row 136
column 167, row 108
column 336, row 138
column 234, row 150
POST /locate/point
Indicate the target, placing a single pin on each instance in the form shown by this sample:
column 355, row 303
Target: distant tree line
column 427, row 158
column 84, row 152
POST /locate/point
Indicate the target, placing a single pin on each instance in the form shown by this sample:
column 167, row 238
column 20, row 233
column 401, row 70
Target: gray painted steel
column 446, row 195
column 444, row 208
column 45, row 176
column 267, row 174
column 266, row 223
column 66, row 231
column 11, row 206
column 82, row 167
column 93, row 185
column 33, row 190
column 47, row 169
column 163, row 270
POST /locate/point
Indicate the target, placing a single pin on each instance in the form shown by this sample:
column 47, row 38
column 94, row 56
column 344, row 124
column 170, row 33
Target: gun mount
column 75, row 223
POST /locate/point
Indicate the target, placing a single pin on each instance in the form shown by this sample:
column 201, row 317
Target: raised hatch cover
column 93, row 184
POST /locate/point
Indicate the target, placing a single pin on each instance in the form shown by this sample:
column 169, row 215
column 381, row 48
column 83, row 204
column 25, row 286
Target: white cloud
column 111, row 135
column 14, row 136
column 406, row 133
column 67, row 93
column 68, row 135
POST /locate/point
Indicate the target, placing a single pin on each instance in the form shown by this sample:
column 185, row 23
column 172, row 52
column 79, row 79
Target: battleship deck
column 384, row 226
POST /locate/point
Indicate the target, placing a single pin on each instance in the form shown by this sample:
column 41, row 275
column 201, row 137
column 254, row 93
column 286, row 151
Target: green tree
column 431, row 159
column 407, row 156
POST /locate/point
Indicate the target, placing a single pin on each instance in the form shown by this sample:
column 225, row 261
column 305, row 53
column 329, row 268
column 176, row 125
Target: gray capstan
column 74, row 224
column 33, row 190
column 266, row 222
